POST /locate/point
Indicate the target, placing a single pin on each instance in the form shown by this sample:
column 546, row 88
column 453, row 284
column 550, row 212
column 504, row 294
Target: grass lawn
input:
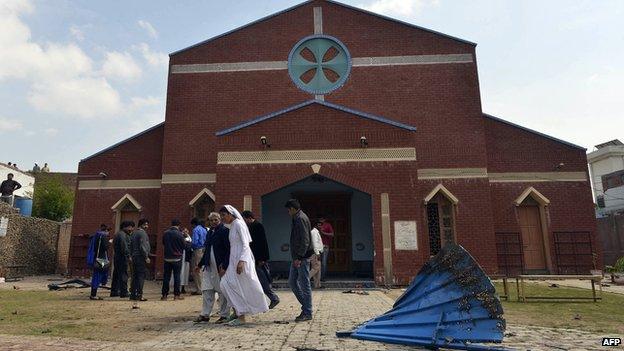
column 606, row 316
column 40, row 312
column 71, row 314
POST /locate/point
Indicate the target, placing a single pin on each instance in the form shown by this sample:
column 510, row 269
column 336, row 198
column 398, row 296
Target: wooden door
column 441, row 223
column 336, row 209
column 532, row 237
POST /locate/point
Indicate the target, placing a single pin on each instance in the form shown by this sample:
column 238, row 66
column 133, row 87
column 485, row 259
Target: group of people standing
column 229, row 262
column 132, row 253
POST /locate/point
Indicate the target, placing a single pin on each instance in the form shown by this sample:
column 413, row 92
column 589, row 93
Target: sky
column 77, row 76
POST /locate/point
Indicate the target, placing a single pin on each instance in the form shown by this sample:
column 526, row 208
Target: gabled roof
column 318, row 102
column 14, row 170
column 533, row 131
column 124, row 199
column 536, row 195
column 124, row 141
column 330, row 1
column 444, row 191
column 202, row 193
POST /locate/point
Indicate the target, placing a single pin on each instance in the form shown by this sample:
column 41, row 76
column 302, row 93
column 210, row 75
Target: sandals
column 234, row 323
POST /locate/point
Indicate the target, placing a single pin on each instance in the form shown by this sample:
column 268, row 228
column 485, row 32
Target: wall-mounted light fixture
column 264, row 141
column 363, row 142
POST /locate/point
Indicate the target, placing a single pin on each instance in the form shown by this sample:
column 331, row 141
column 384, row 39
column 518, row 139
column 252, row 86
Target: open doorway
column 347, row 209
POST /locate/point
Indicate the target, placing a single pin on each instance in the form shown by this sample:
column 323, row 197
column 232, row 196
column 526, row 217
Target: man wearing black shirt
column 7, row 188
column 140, row 251
column 174, row 245
column 260, row 250
column 121, row 247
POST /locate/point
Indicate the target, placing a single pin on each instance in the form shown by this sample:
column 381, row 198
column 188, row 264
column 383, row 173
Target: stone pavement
column 275, row 330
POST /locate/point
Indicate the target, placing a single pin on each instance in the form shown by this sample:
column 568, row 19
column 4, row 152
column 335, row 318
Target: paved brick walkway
column 333, row 311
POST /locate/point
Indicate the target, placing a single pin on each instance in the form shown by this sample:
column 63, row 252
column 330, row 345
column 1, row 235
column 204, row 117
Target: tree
column 52, row 199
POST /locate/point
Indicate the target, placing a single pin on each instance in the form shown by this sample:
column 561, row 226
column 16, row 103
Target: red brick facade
column 441, row 100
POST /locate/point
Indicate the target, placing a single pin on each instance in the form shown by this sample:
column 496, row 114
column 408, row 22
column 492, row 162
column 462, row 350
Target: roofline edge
column 122, row 142
column 498, row 119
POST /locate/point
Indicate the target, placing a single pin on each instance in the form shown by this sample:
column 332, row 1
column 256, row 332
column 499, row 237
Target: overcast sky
column 78, row 76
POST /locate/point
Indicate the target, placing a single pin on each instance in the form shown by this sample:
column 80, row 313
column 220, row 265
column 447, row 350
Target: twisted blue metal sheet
column 450, row 304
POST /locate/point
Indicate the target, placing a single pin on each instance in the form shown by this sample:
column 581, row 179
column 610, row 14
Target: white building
column 606, row 159
column 25, row 179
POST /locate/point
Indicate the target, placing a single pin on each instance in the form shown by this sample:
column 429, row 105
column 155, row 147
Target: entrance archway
column 202, row 204
column 347, row 209
column 531, row 209
column 441, row 207
column 126, row 209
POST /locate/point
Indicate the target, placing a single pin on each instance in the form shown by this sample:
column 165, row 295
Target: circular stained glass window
column 319, row 64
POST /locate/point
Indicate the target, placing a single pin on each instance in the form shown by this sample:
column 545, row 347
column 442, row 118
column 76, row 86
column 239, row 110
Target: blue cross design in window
column 319, row 64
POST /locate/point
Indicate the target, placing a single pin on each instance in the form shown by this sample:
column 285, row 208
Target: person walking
column 327, row 234
column 174, row 245
column 198, row 242
column 300, row 251
column 97, row 259
column 260, row 250
column 36, row 168
column 121, row 258
column 140, row 250
column 240, row 282
column 213, row 265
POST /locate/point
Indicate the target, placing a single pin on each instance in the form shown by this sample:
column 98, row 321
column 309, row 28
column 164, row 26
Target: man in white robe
column 240, row 283
column 212, row 266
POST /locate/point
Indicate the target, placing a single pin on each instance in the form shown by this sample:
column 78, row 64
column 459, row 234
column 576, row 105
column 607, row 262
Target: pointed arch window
column 202, row 204
column 441, row 209
column 126, row 209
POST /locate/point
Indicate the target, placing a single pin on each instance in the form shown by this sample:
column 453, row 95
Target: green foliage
column 619, row 265
column 52, row 199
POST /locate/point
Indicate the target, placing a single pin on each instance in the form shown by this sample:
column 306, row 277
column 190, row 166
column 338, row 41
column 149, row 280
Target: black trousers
column 175, row 268
column 264, row 276
column 119, row 284
column 139, row 271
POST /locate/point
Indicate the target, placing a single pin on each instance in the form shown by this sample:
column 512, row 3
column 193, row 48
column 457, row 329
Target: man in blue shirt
column 199, row 240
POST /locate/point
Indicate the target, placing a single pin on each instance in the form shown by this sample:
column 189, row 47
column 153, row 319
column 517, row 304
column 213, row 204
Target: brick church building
column 372, row 122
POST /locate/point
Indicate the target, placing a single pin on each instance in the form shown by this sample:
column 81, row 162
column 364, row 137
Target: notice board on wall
column 405, row 236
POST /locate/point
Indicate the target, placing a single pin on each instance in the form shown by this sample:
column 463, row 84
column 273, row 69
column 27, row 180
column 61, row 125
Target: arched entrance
column 531, row 210
column 126, row 209
column 347, row 209
column 202, row 204
column 441, row 207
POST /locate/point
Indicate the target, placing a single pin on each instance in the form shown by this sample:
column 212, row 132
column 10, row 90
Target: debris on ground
column 358, row 292
column 451, row 303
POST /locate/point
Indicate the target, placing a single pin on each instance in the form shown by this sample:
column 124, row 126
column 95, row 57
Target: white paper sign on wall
column 405, row 236
column 4, row 226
